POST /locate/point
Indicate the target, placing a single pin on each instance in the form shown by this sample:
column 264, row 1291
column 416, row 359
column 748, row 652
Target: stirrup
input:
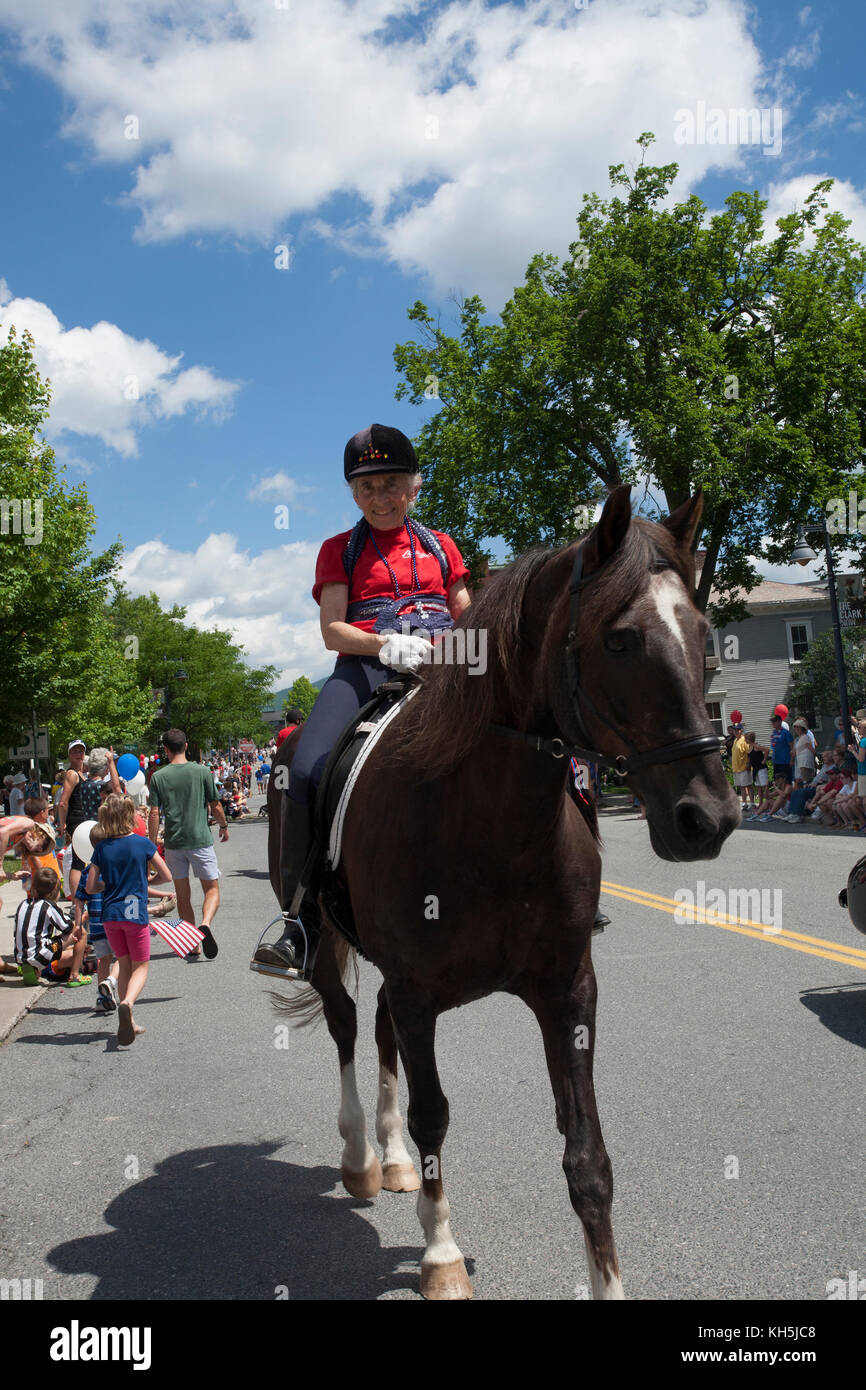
column 286, row 972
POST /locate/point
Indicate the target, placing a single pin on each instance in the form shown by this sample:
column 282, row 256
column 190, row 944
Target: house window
column 799, row 640
column 716, row 716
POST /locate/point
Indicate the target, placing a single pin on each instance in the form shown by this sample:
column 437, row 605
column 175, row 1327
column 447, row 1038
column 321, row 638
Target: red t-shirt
column 284, row 733
column 370, row 577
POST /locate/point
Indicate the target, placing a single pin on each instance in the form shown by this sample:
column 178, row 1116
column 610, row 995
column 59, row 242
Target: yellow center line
column 743, row 926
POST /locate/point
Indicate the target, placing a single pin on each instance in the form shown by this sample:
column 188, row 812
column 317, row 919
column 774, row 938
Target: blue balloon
column 127, row 766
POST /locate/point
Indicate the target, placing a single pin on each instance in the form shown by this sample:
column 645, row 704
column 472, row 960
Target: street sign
column 849, row 595
column 247, row 745
column 25, row 751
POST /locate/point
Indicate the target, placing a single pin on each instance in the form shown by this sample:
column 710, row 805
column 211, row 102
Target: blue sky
column 400, row 151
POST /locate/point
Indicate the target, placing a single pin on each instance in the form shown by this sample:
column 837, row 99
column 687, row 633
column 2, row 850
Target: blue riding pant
column 344, row 693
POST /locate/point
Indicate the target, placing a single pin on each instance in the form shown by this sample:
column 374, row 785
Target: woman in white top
column 847, row 808
column 804, row 753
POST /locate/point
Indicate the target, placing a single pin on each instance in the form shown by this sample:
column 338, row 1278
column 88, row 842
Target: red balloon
column 782, row 711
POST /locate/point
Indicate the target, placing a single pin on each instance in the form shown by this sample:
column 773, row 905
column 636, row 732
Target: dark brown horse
column 455, row 820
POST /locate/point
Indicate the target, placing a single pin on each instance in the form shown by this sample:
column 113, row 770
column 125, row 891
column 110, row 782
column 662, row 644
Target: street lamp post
column 179, row 675
column 803, row 554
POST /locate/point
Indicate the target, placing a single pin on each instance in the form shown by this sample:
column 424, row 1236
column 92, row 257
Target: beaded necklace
column 398, row 592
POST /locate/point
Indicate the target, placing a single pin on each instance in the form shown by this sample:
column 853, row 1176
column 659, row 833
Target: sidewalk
column 15, row 997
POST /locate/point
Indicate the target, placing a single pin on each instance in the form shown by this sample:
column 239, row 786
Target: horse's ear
column 683, row 523
column 610, row 529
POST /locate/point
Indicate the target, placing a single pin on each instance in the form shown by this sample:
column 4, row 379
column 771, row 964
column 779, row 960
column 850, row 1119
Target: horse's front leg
column 567, row 1025
column 443, row 1272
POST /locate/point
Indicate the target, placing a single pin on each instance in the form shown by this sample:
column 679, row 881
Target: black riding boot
column 292, row 957
column 600, row 922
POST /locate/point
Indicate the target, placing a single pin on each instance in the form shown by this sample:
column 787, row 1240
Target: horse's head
column 640, row 641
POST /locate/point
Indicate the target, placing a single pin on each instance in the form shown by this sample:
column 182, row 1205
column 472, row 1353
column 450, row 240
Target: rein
column 697, row 746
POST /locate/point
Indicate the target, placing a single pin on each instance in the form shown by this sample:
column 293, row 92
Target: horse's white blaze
column 357, row 1153
column 442, row 1248
column 389, row 1121
column 608, row 1290
column 668, row 594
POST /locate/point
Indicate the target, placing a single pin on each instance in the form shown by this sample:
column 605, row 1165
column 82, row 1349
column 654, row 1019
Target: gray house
column 750, row 665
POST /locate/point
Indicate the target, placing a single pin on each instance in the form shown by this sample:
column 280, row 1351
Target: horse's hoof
column 364, row 1185
column 400, row 1177
column 439, row 1282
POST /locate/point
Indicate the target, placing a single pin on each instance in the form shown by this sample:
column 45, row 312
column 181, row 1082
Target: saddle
column 342, row 769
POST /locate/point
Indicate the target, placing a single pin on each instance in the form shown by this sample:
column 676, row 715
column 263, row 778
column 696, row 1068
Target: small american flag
column 181, row 936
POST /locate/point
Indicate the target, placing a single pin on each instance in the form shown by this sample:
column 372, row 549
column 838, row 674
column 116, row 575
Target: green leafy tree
column 208, row 689
column 302, row 695
column 814, row 684
column 57, row 653
column 668, row 347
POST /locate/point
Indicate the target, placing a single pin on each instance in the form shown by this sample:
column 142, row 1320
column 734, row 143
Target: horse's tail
column 305, row 1005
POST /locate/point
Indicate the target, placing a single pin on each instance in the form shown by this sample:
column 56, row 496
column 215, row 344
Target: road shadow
column 66, row 1039
column 229, row 1222
column 841, row 1008
column 248, row 873
column 107, row 1033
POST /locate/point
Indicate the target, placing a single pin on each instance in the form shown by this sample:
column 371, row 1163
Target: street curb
column 23, row 997
column 29, row 998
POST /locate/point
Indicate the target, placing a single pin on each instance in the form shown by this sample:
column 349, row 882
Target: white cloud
column 465, row 141
column 107, row 384
column 844, row 197
column 279, row 487
column 263, row 600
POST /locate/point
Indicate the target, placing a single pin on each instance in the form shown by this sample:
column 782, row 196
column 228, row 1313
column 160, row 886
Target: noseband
column 697, row 746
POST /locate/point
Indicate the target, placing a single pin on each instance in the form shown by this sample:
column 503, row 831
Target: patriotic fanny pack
column 427, row 612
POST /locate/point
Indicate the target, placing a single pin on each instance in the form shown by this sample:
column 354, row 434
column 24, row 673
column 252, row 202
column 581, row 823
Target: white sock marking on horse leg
column 357, row 1153
column 442, row 1248
column 605, row 1290
column 389, row 1121
column 668, row 594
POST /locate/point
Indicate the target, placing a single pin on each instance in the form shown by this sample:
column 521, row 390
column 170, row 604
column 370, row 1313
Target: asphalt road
column 204, row 1161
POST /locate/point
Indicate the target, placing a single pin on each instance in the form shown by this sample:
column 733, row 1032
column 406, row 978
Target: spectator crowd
column 789, row 779
column 108, row 848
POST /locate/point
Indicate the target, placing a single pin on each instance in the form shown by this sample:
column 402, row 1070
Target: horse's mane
column 452, row 712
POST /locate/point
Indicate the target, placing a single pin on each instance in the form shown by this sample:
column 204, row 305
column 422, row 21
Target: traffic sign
column 25, row 750
column 247, row 745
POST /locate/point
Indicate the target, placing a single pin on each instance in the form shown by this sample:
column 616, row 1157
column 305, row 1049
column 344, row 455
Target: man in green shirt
column 184, row 791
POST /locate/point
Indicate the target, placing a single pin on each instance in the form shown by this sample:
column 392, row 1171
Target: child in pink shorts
column 119, row 871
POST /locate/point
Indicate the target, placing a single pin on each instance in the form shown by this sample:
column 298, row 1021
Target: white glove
column 405, row 652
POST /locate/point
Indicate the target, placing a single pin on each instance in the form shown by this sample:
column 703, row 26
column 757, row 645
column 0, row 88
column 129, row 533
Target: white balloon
column 81, row 840
column 135, row 784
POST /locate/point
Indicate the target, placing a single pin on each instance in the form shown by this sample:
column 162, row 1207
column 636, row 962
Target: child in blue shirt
column 100, row 950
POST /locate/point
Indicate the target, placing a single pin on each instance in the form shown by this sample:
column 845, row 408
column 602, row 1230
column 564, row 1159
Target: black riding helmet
column 854, row 896
column 378, row 449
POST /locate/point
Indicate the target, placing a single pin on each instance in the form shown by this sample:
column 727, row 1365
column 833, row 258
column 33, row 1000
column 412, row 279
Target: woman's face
column 384, row 499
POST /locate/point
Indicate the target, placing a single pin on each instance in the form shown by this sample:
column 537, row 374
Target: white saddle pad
column 374, row 733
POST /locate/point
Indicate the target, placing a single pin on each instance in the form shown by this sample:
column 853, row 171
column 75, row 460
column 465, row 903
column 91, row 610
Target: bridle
column 697, row 746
